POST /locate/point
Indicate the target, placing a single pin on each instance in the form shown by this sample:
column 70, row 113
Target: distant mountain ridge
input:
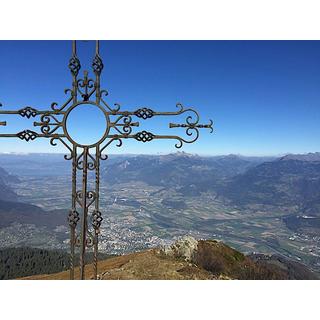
column 189, row 174
column 292, row 180
column 312, row 157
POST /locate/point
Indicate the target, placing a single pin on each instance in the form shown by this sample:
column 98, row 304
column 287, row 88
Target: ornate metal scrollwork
column 144, row 113
column 27, row 135
column 79, row 195
column 89, row 239
column 144, row 136
column 91, row 195
column 104, row 103
column 49, row 124
column 92, row 162
column 123, row 124
column 73, row 218
column 54, row 143
column 97, row 65
column 96, row 219
column 28, row 112
column 74, row 65
column 86, row 87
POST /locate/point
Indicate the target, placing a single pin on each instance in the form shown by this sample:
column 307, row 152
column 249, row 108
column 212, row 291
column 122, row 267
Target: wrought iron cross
column 119, row 125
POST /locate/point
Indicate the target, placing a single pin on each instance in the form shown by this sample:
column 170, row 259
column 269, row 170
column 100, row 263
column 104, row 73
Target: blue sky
column 263, row 96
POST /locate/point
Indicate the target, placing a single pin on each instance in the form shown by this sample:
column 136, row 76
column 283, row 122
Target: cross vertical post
column 95, row 216
column 73, row 215
column 84, row 222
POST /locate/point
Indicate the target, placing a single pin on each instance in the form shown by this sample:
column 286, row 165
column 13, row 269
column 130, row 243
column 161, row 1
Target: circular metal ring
column 65, row 129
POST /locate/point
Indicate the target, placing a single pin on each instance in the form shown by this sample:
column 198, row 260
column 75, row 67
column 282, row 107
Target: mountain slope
column 6, row 193
column 23, row 213
column 185, row 260
column 23, row 224
column 288, row 181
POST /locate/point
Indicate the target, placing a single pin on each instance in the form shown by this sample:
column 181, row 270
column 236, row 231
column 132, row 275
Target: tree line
column 26, row 261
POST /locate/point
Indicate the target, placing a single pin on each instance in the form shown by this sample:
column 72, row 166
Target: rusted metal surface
column 119, row 125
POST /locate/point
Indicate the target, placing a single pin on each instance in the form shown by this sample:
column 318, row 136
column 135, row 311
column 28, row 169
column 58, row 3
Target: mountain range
column 189, row 174
column 292, row 180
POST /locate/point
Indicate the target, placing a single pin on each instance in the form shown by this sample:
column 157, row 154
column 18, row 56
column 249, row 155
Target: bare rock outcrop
column 184, row 248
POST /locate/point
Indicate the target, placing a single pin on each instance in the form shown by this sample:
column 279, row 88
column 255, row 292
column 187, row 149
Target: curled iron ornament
column 28, row 112
column 97, row 65
column 54, row 105
column 74, row 65
column 91, row 162
column 89, row 239
column 104, row 103
column 144, row 113
column 86, row 86
column 53, row 142
column 27, row 135
column 144, row 136
column 116, row 139
column 48, row 124
column 96, row 219
column 73, row 218
column 90, row 195
column 123, row 124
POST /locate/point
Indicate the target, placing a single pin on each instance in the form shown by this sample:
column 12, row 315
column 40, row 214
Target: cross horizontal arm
column 191, row 126
column 146, row 136
column 146, row 113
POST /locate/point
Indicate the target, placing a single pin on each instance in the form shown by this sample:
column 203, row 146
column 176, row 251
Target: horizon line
column 177, row 152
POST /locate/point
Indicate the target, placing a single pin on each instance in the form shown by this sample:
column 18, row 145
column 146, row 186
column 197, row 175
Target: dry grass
column 144, row 265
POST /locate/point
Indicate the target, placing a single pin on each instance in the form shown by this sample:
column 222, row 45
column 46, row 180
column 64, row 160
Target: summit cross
column 85, row 217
